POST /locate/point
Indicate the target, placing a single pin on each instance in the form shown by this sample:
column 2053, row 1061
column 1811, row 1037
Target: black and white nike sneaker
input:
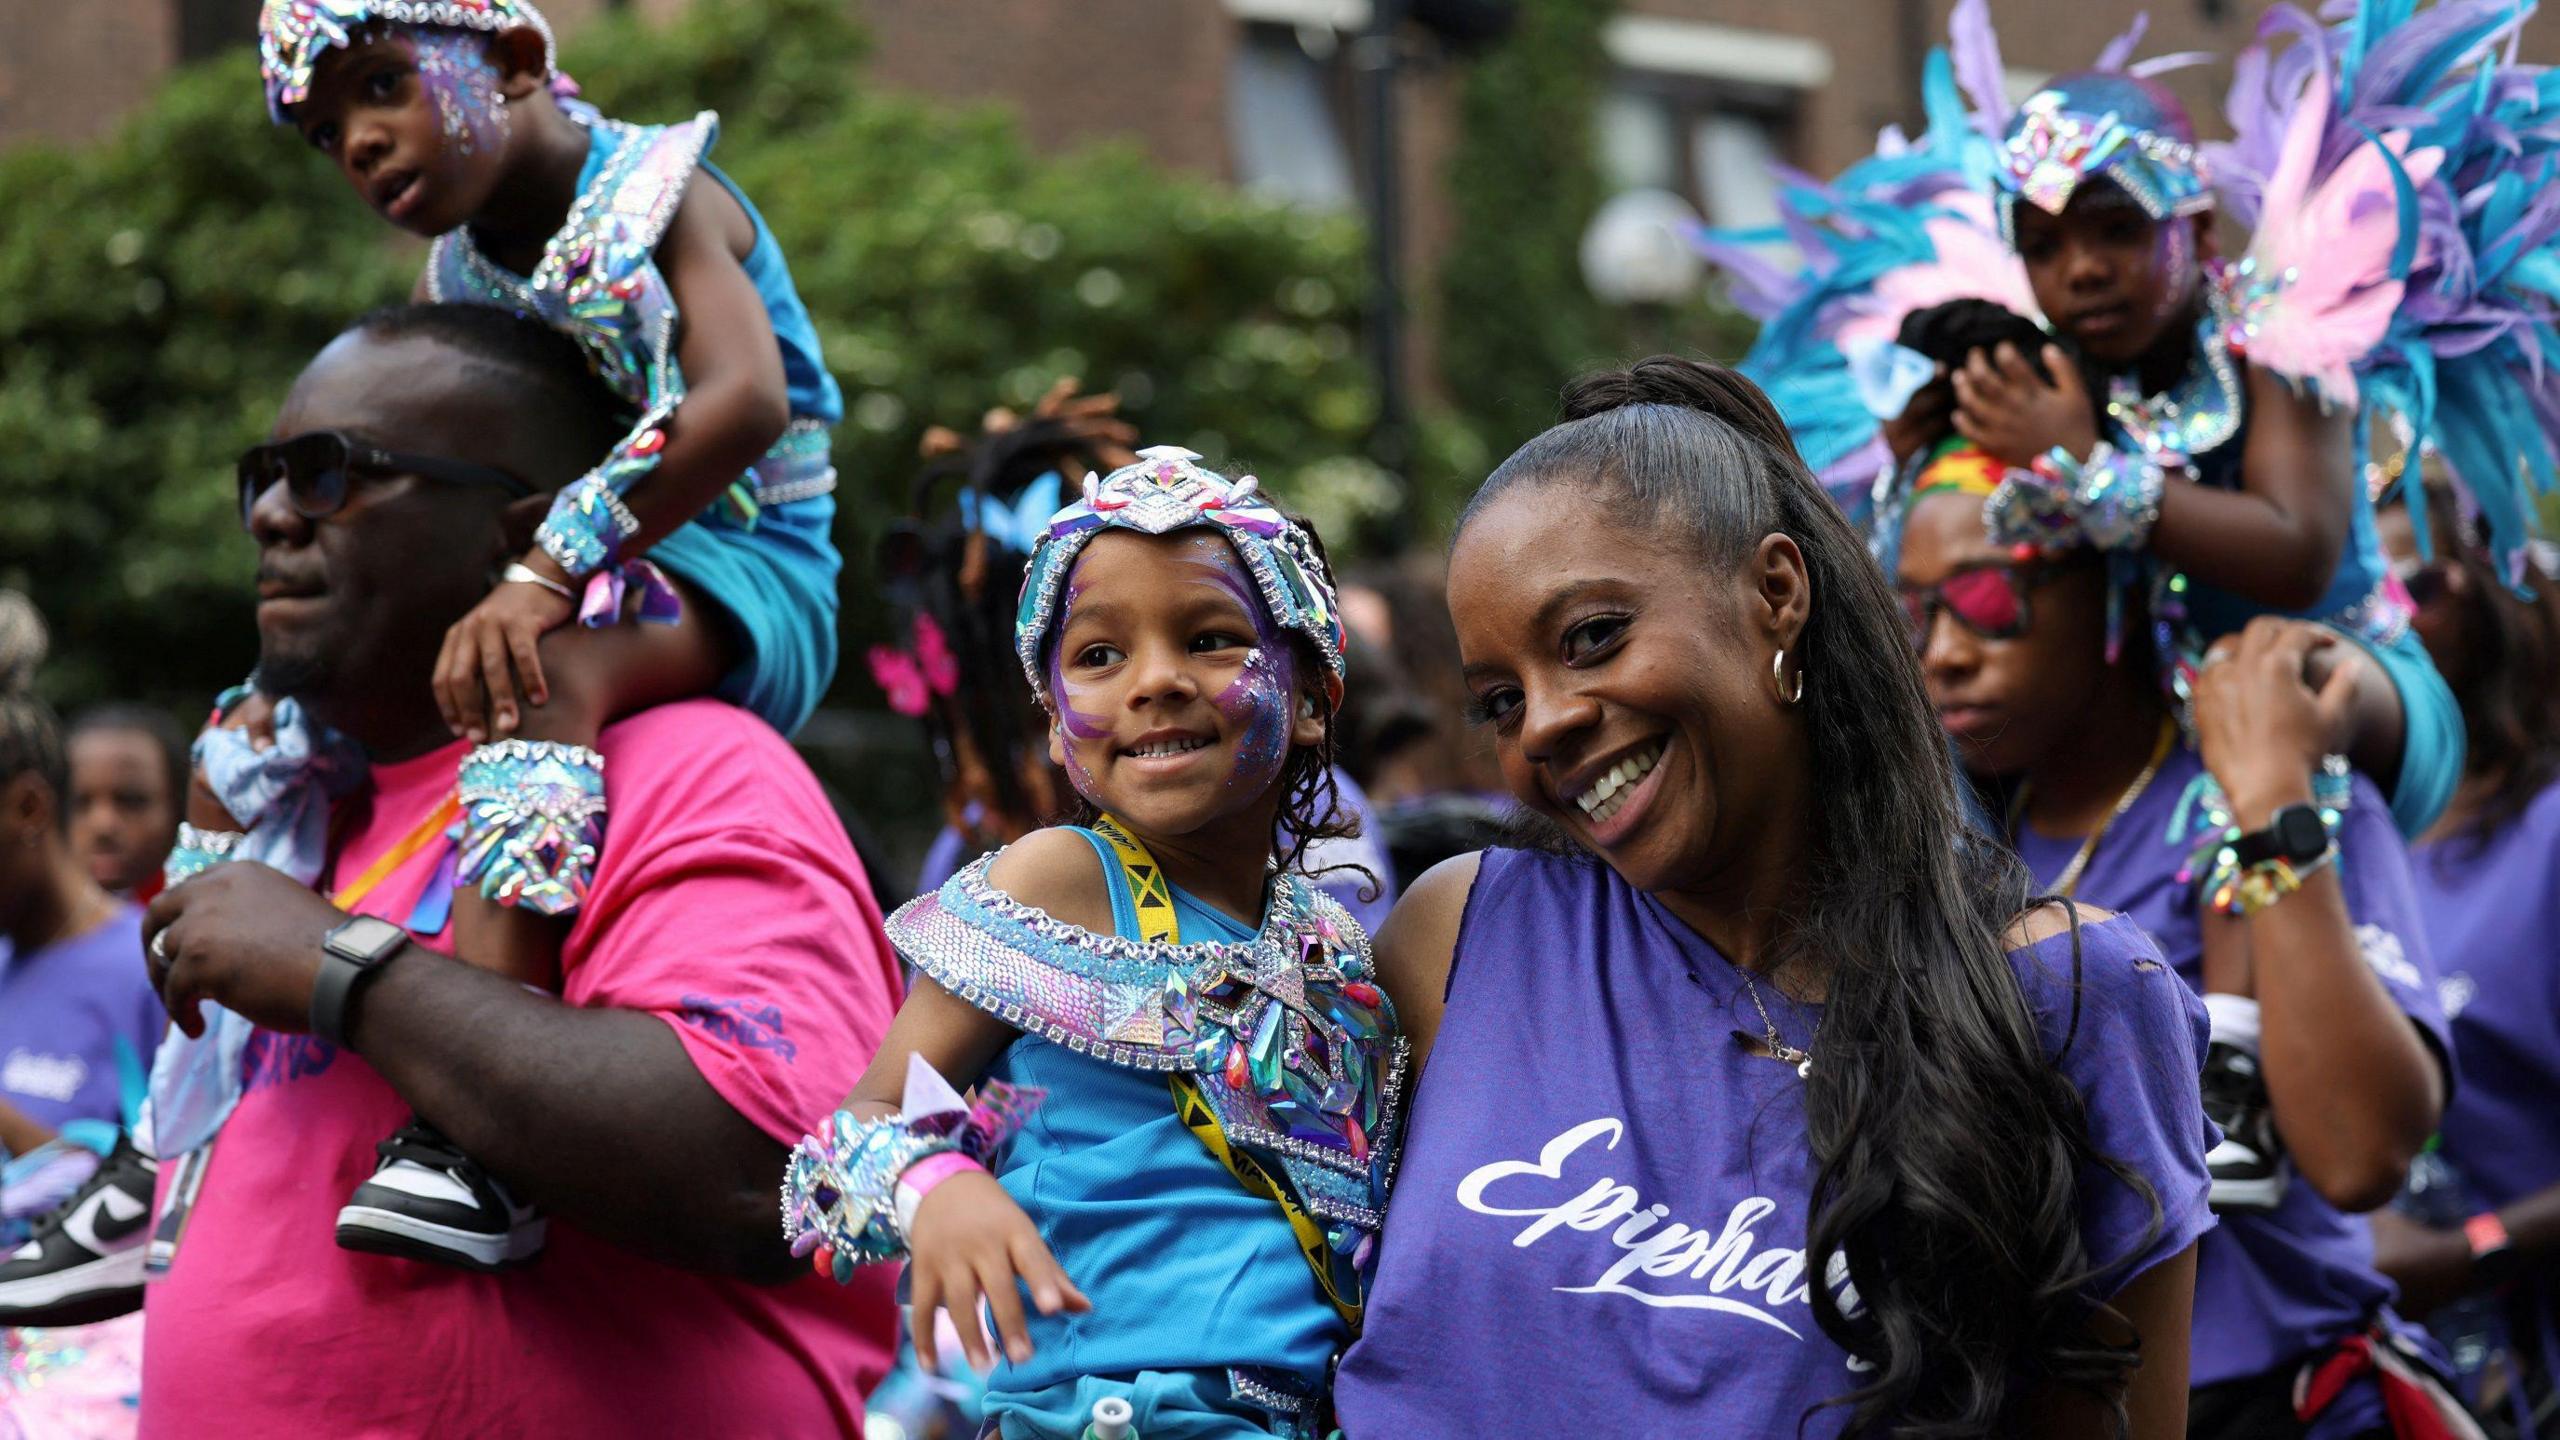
column 429, row 1201
column 83, row 1263
column 2248, row 1167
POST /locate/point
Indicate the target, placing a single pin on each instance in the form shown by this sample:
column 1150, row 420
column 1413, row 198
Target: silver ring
column 160, row 946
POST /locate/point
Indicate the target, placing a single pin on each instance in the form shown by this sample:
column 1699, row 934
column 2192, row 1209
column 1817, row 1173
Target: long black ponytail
column 1948, row 1144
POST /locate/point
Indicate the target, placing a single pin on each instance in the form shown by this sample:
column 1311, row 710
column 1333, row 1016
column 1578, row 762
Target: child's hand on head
column 1923, row 422
column 970, row 1240
column 2015, row 414
column 490, row 658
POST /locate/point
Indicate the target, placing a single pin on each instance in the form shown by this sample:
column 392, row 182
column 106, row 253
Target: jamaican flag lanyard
column 1157, row 925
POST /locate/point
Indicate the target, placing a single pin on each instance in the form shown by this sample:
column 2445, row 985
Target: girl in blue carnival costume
column 2398, row 146
column 449, row 118
column 1191, row 1205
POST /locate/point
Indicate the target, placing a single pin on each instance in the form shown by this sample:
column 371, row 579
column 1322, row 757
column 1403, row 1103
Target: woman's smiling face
column 1627, row 684
column 1177, row 700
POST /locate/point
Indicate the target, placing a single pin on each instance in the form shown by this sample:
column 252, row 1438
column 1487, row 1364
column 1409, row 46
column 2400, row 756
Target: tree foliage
column 158, row 293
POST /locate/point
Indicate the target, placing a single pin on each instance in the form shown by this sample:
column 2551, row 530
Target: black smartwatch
column 350, row 954
column 2293, row 834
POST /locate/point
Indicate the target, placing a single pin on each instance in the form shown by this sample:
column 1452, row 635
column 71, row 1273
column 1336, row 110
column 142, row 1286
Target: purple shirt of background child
column 2493, row 920
column 1599, row 1222
column 2273, row 1288
column 63, row 1009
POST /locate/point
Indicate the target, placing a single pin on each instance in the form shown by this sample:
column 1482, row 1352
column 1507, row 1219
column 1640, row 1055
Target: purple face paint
column 1257, row 702
column 1078, row 724
column 454, row 70
column 2173, row 263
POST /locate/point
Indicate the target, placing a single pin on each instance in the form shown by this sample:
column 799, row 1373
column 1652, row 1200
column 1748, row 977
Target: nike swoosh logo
column 123, row 1214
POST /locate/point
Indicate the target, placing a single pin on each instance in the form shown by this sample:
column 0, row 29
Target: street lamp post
column 1636, row 254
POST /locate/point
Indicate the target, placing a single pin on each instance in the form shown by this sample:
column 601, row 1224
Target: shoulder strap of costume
column 648, row 179
column 1147, row 887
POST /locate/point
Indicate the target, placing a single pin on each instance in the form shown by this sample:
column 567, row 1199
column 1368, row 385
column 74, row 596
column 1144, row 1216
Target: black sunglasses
column 315, row 469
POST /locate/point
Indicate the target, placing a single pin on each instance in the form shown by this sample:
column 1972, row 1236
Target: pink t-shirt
column 729, row 904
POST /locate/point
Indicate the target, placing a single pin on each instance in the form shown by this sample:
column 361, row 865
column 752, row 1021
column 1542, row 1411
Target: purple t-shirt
column 1599, row 1220
column 2270, row 1289
column 2493, row 921
column 63, row 1009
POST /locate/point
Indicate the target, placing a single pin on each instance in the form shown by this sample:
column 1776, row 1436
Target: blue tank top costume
column 766, row 553
column 1207, row 1314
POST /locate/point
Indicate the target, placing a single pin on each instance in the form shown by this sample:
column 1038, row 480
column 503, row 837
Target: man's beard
column 298, row 671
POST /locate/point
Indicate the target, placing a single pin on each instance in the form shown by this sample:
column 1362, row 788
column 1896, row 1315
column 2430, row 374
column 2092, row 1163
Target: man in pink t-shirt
column 725, row 983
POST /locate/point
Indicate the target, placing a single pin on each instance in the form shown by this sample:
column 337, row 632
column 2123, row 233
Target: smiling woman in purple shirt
column 2488, row 885
column 1762, row 1101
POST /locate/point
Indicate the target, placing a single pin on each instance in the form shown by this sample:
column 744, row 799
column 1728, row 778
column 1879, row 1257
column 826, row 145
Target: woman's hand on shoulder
column 1418, row 945
column 1056, row 871
column 970, row 1240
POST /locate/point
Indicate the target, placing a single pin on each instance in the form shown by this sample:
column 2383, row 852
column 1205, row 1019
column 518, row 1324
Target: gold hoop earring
column 1778, row 677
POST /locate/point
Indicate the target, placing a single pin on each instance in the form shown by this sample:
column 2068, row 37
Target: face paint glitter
column 2173, row 264
column 455, row 72
column 1256, row 704
column 1077, row 724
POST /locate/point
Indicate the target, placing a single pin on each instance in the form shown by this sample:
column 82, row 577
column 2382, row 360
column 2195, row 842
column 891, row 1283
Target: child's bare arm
column 735, row 402
column 969, row 1240
column 956, row 1038
column 2278, row 538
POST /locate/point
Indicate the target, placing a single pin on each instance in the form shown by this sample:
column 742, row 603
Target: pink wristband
column 918, row 1180
column 932, row 1170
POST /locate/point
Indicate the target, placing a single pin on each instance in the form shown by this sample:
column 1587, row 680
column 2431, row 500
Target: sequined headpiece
column 2101, row 124
column 1166, row 490
column 294, row 34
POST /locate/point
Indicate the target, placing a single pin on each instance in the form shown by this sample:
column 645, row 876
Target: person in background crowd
column 2488, row 883
column 2259, row 870
column 128, row 792
column 71, row 993
column 77, row 1020
column 1765, row 1102
column 1436, row 787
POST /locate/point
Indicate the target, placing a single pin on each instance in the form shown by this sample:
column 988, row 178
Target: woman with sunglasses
column 2485, row 878
column 2262, row 870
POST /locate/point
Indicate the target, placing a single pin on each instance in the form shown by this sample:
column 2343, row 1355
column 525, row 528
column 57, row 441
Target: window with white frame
column 1703, row 110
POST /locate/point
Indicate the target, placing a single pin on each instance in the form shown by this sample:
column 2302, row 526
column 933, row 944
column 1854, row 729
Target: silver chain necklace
column 1801, row 1059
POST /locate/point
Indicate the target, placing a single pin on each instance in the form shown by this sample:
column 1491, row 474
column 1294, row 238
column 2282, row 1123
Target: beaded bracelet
column 840, row 1188
column 532, row 823
column 2109, row 501
column 588, row 523
column 197, row 851
column 2253, row 888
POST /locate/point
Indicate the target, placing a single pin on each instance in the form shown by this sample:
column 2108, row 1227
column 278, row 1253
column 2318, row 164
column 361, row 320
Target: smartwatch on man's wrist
column 2293, row 834
column 2494, row 1261
column 349, row 956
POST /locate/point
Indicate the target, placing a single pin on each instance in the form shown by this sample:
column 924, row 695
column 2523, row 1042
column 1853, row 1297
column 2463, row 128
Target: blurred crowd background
column 1351, row 247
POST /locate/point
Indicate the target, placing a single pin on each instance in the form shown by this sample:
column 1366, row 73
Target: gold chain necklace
column 2070, row 879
